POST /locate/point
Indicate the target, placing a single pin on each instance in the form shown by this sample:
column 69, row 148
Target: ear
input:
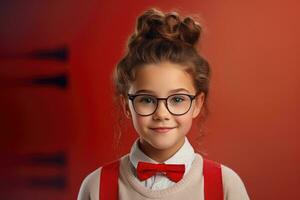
column 198, row 104
column 125, row 106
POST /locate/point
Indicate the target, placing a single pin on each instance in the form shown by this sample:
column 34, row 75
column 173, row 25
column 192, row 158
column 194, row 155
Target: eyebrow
column 171, row 91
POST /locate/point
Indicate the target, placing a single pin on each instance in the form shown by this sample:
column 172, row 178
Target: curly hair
column 160, row 37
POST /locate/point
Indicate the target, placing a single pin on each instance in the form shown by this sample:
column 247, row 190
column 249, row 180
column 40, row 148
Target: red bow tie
column 172, row 171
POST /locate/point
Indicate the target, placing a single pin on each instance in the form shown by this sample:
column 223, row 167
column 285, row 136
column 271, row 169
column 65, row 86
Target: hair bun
column 150, row 24
column 190, row 30
column 172, row 21
column 154, row 24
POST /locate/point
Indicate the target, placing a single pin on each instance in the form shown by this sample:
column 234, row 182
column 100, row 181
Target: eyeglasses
column 177, row 104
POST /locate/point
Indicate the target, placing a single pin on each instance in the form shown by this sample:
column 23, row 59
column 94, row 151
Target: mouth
column 162, row 129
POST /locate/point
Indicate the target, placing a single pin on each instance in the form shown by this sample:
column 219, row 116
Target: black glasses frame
column 133, row 96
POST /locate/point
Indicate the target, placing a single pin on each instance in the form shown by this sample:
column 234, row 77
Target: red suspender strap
column 109, row 181
column 213, row 187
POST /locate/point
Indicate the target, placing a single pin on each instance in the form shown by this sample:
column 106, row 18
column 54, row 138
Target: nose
column 161, row 111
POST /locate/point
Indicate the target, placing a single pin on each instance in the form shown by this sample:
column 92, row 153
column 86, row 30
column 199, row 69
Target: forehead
column 162, row 78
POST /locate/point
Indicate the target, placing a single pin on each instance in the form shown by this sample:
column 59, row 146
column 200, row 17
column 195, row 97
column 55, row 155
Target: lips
column 162, row 129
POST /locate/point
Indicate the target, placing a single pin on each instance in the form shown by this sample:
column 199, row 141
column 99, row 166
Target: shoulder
column 233, row 186
column 89, row 188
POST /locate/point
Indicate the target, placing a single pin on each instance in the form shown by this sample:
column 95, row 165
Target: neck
column 159, row 155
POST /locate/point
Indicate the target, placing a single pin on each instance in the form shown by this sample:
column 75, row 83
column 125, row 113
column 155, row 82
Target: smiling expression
column 163, row 131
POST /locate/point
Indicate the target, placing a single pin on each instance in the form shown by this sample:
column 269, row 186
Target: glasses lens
column 145, row 104
column 179, row 103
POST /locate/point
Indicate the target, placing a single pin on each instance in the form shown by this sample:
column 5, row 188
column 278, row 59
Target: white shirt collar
column 185, row 155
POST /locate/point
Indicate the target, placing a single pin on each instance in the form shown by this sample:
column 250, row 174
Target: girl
column 162, row 82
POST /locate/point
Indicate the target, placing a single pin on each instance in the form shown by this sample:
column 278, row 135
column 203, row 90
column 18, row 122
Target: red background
column 253, row 50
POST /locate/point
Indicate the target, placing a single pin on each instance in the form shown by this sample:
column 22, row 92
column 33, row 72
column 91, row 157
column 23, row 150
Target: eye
column 146, row 100
column 177, row 99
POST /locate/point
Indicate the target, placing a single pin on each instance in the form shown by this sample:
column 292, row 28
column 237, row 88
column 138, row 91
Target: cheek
column 185, row 122
column 140, row 122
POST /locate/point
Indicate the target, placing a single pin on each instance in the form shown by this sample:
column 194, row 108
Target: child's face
column 160, row 80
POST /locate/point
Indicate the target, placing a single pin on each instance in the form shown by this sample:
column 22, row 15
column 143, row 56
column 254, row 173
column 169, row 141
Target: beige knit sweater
column 191, row 187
